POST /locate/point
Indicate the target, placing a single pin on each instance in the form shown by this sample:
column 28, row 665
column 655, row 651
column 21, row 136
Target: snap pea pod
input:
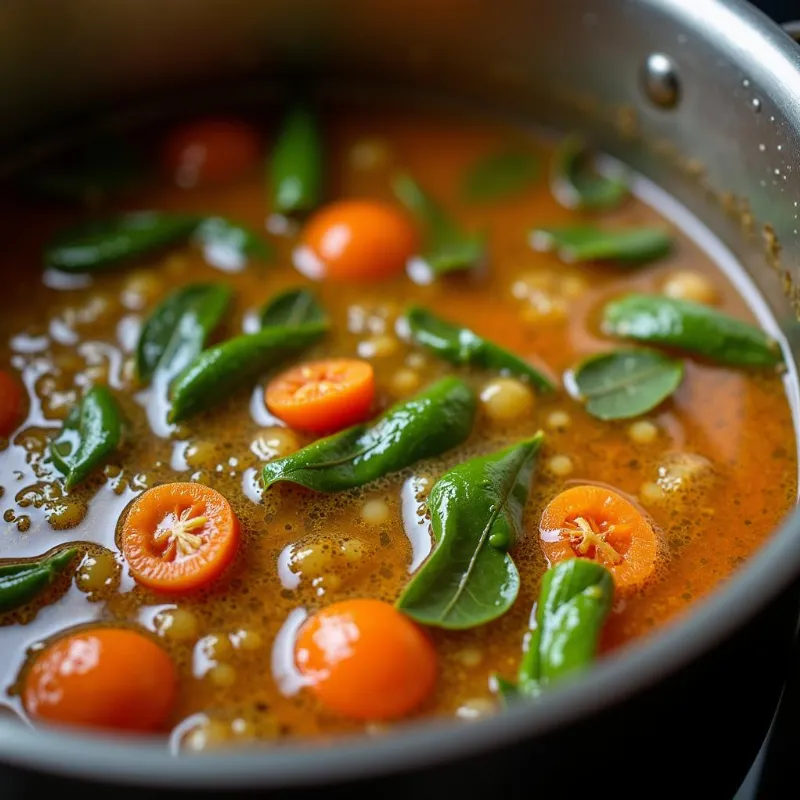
column 428, row 424
column 220, row 370
column 176, row 332
column 574, row 602
column 476, row 515
column 463, row 347
column 692, row 327
column 22, row 581
column 447, row 247
column 103, row 243
column 91, row 432
column 296, row 164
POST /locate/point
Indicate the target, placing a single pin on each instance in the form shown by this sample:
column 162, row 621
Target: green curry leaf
column 428, row 424
column 447, row 247
column 228, row 245
column 498, row 175
column 463, row 347
column 575, row 182
column 293, row 308
column 575, row 243
column 626, row 383
column 476, row 515
column 90, row 433
column 177, row 330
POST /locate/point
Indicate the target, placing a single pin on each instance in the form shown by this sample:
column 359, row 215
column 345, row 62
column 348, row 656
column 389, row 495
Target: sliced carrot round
column 11, row 399
column 356, row 240
column 107, row 678
column 366, row 660
column 179, row 536
column 323, row 396
column 596, row 523
column 210, row 151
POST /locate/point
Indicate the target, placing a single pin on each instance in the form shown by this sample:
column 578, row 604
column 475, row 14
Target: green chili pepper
column 692, row 327
column 434, row 421
column 463, row 347
column 296, row 164
column 580, row 243
column 91, row 432
column 220, row 370
column 21, row 581
column 476, row 515
column 574, row 602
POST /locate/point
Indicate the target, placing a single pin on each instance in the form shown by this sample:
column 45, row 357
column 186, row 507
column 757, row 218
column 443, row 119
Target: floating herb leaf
column 692, row 327
column 177, row 330
column 575, row 182
column 626, row 383
column 586, row 243
column 499, row 175
column 574, row 603
column 447, row 248
column 428, row 424
column 221, row 370
column 463, row 347
column 476, row 515
column 229, row 246
column 296, row 163
column 90, row 433
column 104, row 243
column 22, row 581
column 291, row 309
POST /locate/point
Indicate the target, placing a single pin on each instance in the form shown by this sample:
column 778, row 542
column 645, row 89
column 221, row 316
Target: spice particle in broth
column 321, row 469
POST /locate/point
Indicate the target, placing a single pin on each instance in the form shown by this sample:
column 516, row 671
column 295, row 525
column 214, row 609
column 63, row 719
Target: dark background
column 783, row 10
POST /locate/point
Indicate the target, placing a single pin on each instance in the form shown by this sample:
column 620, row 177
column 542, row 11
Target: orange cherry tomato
column 594, row 522
column 366, row 660
column 323, row 396
column 11, row 399
column 356, row 240
column 107, row 678
column 210, row 151
column 179, row 536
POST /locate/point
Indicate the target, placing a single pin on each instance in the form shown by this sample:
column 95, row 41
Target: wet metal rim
column 766, row 576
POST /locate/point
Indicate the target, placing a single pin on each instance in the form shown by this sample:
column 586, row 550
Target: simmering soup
column 322, row 421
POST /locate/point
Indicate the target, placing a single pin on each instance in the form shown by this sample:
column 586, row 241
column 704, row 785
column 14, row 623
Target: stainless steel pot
column 701, row 96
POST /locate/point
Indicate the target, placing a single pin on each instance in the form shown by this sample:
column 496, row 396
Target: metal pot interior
column 699, row 96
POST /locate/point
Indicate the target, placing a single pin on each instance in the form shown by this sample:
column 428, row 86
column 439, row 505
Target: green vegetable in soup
column 103, row 243
column 463, row 347
column 177, row 330
column 221, row 370
column 229, row 245
column 90, row 433
column 586, row 243
column 576, row 184
column 291, row 309
column 296, row 164
column 447, row 247
column 499, row 175
column 626, row 383
column 427, row 425
column 22, row 581
column 574, row 602
column 692, row 327
column 476, row 515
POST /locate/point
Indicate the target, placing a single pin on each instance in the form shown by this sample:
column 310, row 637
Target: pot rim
column 628, row 672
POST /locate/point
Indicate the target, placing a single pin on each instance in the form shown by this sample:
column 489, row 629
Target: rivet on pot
column 660, row 80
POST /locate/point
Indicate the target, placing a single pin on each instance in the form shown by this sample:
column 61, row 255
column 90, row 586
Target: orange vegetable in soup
column 11, row 399
column 108, row 678
column 179, row 536
column 594, row 522
column 210, row 151
column 366, row 660
column 323, row 396
column 356, row 240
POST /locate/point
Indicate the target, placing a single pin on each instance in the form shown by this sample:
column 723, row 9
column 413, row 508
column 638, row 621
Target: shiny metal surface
column 729, row 150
